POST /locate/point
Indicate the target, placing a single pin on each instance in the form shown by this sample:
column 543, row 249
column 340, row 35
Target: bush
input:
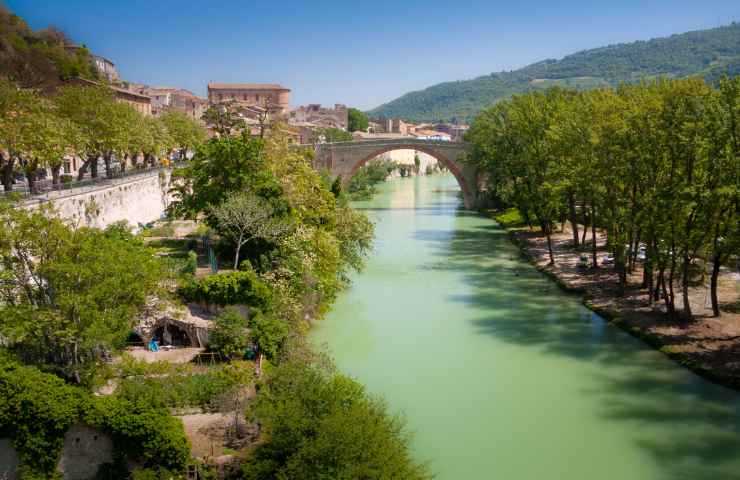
column 162, row 230
column 242, row 287
column 142, row 430
column 36, row 409
column 191, row 264
column 229, row 336
column 177, row 391
column 319, row 425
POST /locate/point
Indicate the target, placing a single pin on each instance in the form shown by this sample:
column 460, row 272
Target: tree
column 184, row 132
column 65, row 305
column 244, row 216
column 356, row 120
column 319, row 424
column 93, row 110
column 223, row 120
column 16, row 108
column 268, row 333
column 221, row 166
column 330, row 135
column 229, row 336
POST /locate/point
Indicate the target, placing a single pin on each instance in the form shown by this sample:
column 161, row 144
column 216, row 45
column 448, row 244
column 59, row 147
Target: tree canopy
column 356, row 120
column 654, row 165
column 65, row 306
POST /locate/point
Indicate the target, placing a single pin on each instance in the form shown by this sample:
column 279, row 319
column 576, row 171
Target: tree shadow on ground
column 688, row 426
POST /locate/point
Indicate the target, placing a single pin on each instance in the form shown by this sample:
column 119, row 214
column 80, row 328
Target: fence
column 46, row 185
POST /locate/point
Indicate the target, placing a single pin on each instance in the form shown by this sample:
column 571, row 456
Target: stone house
column 275, row 98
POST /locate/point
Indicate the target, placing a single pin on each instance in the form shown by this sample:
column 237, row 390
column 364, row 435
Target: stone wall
column 8, row 460
column 85, row 450
column 139, row 198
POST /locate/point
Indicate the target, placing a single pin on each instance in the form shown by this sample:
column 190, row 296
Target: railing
column 46, row 186
column 387, row 141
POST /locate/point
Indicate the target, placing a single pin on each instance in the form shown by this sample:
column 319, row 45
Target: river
column 500, row 374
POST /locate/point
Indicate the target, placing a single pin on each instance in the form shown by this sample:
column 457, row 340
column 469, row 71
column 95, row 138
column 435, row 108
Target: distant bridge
column 345, row 158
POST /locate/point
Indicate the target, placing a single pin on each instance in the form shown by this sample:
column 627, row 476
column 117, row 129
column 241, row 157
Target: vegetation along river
column 499, row 373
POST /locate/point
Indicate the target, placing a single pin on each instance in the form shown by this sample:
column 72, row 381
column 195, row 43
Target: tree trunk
column 84, row 167
column 685, row 286
column 94, row 167
column 7, row 173
column 671, row 296
column 593, row 235
column 106, row 160
column 31, row 171
column 55, row 174
column 547, row 227
column 716, row 264
column 238, row 249
column 573, row 219
column 585, row 222
column 635, row 248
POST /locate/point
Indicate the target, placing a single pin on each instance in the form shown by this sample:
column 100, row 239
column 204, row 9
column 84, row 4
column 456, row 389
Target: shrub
column 177, row 391
column 162, row 230
column 319, row 424
column 229, row 336
column 191, row 264
column 36, row 409
column 241, row 287
column 142, row 430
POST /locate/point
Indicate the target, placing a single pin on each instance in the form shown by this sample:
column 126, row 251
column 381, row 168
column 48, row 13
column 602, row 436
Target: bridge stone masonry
column 343, row 159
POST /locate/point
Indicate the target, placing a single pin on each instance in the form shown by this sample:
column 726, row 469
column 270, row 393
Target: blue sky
column 358, row 53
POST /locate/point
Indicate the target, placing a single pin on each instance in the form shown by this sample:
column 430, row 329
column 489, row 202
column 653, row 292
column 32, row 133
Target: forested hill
column 36, row 58
column 709, row 53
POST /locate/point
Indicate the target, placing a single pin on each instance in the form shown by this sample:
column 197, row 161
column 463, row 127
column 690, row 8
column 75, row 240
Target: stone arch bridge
column 345, row 158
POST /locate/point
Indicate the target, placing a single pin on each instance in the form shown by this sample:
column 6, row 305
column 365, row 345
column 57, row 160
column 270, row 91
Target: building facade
column 321, row 117
column 105, row 67
column 275, row 98
column 164, row 98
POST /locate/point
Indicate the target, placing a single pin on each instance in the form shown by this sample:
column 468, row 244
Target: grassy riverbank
column 709, row 346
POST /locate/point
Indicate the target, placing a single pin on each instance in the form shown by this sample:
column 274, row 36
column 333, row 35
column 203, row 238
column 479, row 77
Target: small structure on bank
column 179, row 327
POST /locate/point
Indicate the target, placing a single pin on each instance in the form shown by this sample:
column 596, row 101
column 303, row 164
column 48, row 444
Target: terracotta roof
column 246, row 86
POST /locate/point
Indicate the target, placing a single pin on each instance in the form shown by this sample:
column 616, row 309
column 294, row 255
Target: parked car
column 608, row 259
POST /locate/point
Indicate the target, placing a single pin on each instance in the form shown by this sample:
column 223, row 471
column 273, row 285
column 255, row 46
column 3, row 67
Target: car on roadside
column 608, row 259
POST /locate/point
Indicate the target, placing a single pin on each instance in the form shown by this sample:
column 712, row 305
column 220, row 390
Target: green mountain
column 709, row 53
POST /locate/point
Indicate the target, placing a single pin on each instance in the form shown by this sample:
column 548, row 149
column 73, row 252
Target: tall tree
column 356, row 120
column 65, row 306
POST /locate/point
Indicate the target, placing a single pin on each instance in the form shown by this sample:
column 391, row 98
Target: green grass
column 509, row 218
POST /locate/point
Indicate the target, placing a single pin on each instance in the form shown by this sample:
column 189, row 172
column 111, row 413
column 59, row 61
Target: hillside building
column 275, row 98
column 321, row 117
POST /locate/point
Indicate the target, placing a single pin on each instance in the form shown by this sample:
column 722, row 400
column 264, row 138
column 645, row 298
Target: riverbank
column 707, row 345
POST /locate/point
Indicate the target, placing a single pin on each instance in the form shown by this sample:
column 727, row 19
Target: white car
column 608, row 259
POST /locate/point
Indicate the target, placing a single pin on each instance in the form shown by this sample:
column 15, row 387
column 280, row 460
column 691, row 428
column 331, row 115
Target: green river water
column 499, row 373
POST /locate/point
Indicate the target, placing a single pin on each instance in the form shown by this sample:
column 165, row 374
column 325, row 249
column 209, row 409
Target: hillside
column 709, row 53
column 36, row 58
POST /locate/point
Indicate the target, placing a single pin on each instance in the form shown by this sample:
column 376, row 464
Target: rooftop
column 246, row 86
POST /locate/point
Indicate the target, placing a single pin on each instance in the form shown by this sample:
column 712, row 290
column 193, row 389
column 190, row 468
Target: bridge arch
column 440, row 157
column 345, row 158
